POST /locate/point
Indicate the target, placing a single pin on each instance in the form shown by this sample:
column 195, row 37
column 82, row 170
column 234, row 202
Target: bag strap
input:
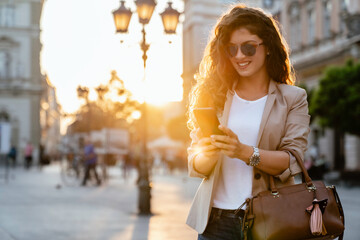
column 341, row 210
column 305, row 173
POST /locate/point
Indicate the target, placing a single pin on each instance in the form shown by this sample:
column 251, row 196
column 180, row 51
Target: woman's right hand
column 203, row 144
column 206, row 148
column 207, row 155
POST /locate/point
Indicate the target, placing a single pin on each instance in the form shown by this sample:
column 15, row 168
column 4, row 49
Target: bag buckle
column 275, row 194
column 311, row 188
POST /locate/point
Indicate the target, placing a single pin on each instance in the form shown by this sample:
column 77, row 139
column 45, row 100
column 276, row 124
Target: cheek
column 261, row 60
column 233, row 63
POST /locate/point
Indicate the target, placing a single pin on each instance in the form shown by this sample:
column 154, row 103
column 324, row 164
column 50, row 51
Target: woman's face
column 247, row 62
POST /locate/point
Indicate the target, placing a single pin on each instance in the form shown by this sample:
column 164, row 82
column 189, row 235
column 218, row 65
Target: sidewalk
column 32, row 207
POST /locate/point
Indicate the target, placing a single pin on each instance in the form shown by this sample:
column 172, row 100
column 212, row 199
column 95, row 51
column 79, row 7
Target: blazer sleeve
column 296, row 133
column 192, row 153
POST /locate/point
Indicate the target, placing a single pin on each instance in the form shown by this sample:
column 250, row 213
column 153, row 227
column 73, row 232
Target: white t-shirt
column 235, row 180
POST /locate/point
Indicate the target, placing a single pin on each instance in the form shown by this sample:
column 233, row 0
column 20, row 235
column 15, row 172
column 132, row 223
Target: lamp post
column 83, row 92
column 170, row 19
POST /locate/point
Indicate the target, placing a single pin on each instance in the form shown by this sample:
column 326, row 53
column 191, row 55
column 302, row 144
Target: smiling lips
column 243, row 64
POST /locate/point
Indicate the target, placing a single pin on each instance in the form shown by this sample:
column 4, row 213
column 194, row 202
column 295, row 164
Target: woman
column 245, row 75
column 28, row 152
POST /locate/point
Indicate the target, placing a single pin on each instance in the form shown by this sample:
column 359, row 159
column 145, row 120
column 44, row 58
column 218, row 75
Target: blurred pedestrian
column 245, row 75
column 12, row 156
column 44, row 159
column 318, row 168
column 28, row 152
column 90, row 161
column 127, row 164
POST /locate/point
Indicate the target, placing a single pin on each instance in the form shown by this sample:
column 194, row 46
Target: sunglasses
column 247, row 48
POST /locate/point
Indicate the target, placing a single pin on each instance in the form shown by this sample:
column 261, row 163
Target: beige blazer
column 284, row 125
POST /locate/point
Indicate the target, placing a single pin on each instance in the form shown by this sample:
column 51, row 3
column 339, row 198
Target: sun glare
column 136, row 115
column 90, row 50
column 161, row 91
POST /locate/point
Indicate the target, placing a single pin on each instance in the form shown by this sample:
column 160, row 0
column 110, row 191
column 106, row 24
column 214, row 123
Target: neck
column 252, row 89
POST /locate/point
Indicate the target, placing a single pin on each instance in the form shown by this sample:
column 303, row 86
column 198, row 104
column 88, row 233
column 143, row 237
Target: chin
column 245, row 74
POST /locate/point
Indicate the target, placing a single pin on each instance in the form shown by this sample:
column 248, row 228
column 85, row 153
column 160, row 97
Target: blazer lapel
column 225, row 116
column 268, row 106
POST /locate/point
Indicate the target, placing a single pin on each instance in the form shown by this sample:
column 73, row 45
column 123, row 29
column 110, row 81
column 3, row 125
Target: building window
column 7, row 15
column 311, row 17
column 327, row 9
column 4, row 65
column 345, row 4
column 295, row 27
column 344, row 11
column 268, row 3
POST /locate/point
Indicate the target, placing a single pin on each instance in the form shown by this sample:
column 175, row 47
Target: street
column 34, row 205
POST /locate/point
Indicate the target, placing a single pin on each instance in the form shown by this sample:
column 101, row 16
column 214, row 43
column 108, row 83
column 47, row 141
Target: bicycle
column 72, row 170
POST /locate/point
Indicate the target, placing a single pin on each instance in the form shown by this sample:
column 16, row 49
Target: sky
column 80, row 47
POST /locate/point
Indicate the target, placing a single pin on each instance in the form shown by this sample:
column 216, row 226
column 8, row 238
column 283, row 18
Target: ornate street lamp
column 122, row 18
column 145, row 9
column 83, row 92
column 170, row 18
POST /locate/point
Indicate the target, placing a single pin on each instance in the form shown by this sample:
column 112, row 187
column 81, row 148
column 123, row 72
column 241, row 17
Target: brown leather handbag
column 309, row 210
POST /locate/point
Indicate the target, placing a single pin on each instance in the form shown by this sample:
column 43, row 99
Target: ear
column 267, row 51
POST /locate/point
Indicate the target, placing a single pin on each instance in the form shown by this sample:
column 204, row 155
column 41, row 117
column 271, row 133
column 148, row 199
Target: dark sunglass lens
column 232, row 50
column 248, row 49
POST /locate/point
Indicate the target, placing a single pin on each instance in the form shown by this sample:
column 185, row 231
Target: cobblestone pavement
column 35, row 205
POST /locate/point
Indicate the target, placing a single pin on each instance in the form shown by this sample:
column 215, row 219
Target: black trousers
column 28, row 162
column 223, row 225
column 88, row 168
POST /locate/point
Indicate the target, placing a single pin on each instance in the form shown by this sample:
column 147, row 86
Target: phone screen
column 208, row 122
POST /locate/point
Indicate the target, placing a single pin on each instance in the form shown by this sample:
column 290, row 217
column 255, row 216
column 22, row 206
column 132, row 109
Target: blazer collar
column 268, row 106
column 225, row 115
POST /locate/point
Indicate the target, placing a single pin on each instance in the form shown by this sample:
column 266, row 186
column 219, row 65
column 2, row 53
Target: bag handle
column 308, row 181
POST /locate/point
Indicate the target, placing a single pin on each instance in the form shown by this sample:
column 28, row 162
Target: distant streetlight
column 122, row 18
column 170, row 19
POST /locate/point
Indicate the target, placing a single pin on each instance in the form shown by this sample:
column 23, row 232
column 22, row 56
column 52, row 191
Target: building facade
column 322, row 33
column 20, row 76
column 50, row 117
column 319, row 33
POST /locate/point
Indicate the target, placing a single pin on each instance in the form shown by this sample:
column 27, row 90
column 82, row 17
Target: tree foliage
column 336, row 103
column 113, row 108
column 310, row 94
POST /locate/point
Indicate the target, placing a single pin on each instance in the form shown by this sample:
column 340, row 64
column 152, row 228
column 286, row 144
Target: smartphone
column 208, row 121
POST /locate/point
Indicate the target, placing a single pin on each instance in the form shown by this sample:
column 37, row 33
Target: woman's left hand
column 228, row 144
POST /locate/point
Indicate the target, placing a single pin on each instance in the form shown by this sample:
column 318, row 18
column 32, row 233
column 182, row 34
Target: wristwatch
column 255, row 158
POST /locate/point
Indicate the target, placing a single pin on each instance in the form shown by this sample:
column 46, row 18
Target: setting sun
column 90, row 50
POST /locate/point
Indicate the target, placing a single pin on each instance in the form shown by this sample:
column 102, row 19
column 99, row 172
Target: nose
column 239, row 53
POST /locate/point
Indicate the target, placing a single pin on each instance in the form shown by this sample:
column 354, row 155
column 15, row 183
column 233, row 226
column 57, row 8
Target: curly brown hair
column 216, row 74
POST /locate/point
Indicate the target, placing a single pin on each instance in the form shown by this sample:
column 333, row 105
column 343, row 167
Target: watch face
column 255, row 158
